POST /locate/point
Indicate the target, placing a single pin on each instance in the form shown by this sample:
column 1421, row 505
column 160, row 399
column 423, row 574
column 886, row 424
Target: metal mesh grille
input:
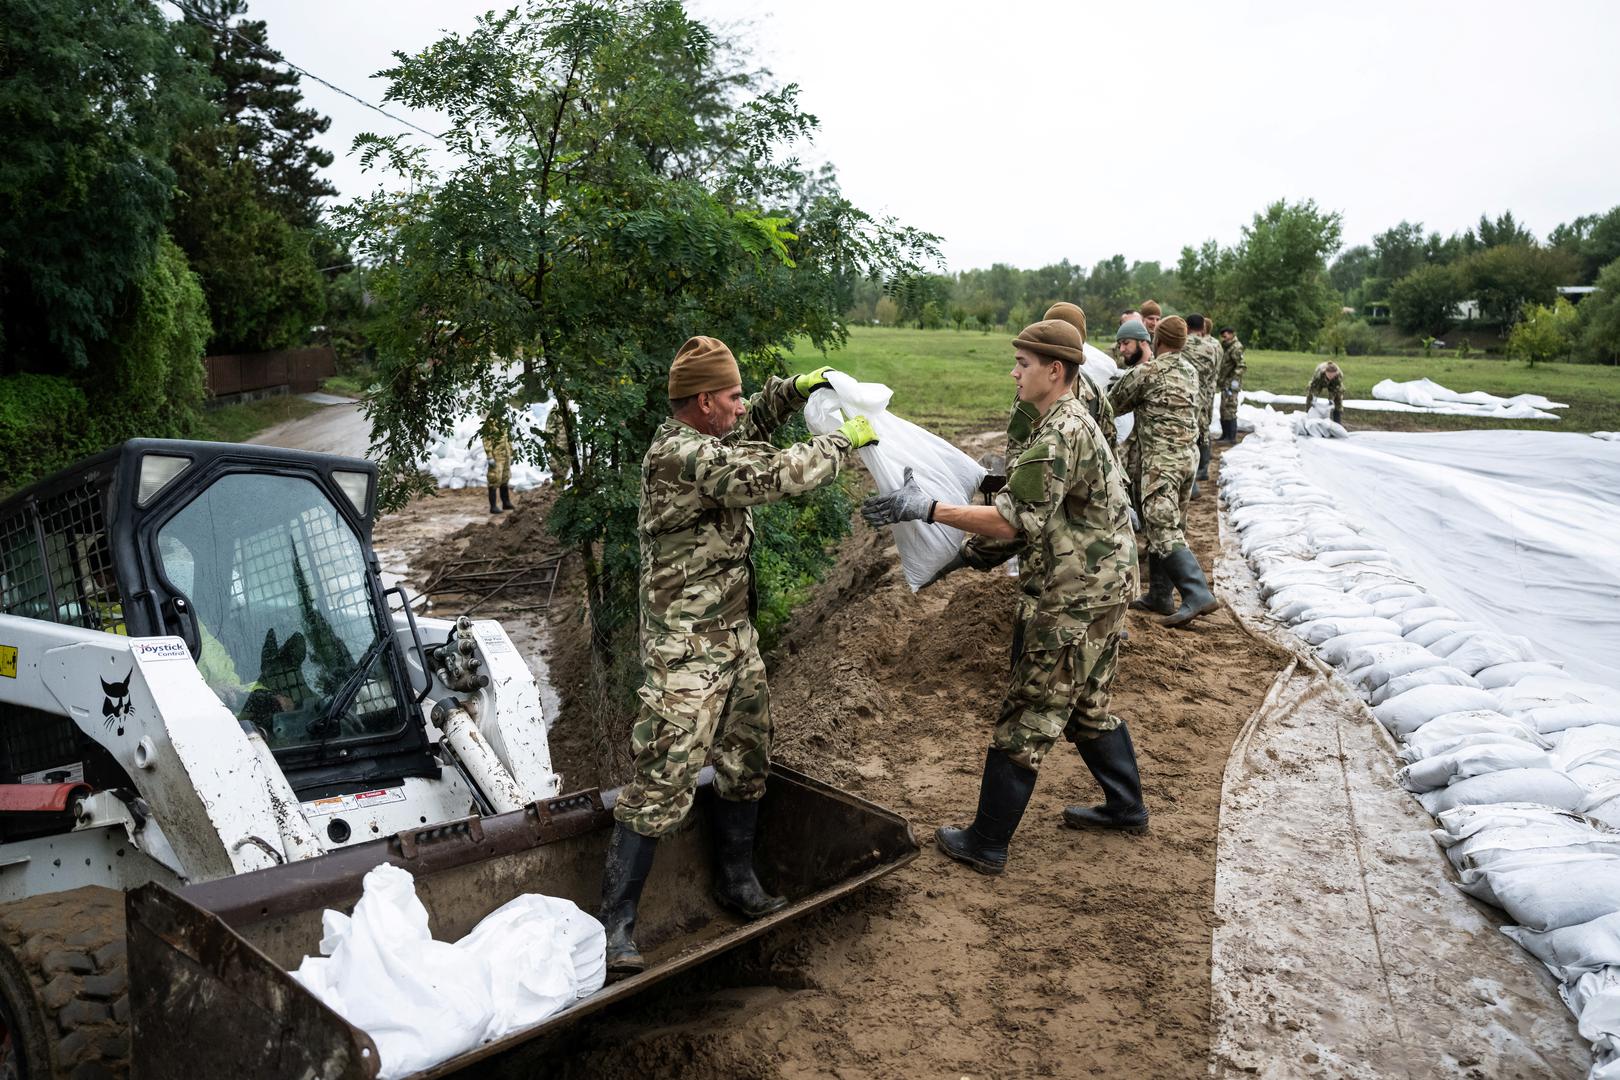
column 56, row 562
column 32, row 741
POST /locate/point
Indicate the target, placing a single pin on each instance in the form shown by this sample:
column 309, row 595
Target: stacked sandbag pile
column 1518, row 761
column 456, row 458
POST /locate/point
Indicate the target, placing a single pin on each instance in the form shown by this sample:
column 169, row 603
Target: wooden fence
column 299, row 371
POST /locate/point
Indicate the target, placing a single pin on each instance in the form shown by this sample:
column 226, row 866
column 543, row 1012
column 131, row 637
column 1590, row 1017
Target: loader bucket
column 210, row 993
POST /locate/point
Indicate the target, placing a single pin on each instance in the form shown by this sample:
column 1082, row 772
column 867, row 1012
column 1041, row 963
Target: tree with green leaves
column 1425, row 300
column 1592, row 238
column 1506, row 278
column 619, row 184
column 1349, row 271
column 1278, row 276
column 1546, row 333
column 92, row 99
column 1599, row 338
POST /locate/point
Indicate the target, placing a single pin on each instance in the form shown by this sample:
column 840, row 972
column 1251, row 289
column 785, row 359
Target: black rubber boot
column 629, row 858
column 1338, row 417
column 1195, row 492
column 506, row 497
column 1203, row 459
column 1229, row 431
column 1188, row 577
column 1112, row 761
column 1003, row 794
column 1161, row 595
column 492, row 507
column 736, row 886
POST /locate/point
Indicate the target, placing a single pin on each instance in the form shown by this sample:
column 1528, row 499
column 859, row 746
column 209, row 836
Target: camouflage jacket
column 1066, row 497
column 1163, row 392
column 695, row 524
column 1332, row 389
column 1204, row 353
column 1232, row 365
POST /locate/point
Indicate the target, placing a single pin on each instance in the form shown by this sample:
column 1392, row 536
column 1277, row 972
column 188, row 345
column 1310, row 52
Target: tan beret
column 1069, row 313
column 1170, row 335
column 1148, row 307
column 702, row 364
column 1052, row 339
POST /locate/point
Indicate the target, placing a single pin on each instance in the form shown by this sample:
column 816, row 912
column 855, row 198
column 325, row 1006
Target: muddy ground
column 1089, row 957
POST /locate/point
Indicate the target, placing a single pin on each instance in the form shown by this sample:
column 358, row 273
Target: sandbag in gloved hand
column 908, row 502
column 858, row 429
column 811, row 381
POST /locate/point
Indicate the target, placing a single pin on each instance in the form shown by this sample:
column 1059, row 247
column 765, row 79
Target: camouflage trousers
column 699, row 692
column 497, row 462
column 1061, row 691
column 1165, row 491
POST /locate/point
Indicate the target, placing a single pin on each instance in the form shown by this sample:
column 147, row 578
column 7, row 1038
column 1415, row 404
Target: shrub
column 43, row 427
column 1547, row 332
column 1347, row 337
column 1422, row 301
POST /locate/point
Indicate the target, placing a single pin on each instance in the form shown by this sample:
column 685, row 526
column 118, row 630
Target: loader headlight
column 356, row 486
column 156, row 472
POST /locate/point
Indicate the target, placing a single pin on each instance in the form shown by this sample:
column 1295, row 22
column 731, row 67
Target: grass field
column 953, row 381
column 239, row 423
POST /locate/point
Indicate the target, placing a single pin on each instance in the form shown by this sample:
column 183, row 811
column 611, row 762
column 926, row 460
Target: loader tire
column 64, row 987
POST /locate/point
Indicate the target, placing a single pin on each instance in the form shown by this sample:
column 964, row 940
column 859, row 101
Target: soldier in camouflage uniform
column 1205, row 356
column 1230, row 381
column 1065, row 499
column 1163, row 394
column 704, row 683
column 497, row 439
column 1328, row 381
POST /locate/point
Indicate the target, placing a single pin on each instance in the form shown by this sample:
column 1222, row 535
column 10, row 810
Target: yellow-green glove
column 859, row 431
column 811, row 381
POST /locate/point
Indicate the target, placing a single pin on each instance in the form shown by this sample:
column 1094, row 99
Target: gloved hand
column 1234, row 386
column 908, row 502
column 811, row 381
column 859, row 430
column 956, row 563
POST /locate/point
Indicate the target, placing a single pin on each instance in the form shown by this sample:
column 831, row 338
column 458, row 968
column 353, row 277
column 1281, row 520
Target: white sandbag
column 1536, row 691
column 543, row 954
column 1481, row 651
column 1411, row 754
column 1394, row 605
column 1494, row 678
column 1571, row 951
column 1481, row 884
column 1373, row 676
column 1384, row 590
column 1464, row 762
column 420, row 1000
column 1551, row 718
column 1304, row 607
column 1462, row 822
column 1431, row 632
column 1577, row 745
column 1492, row 847
column 1416, row 617
column 1595, row 999
column 1435, row 675
column 1301, row 594
column 1407, row 712
column 1320, row 630
column 1353, row 555
column 1547, row 787
column 1447, row 731
column 1542, row 898
column 940, row 469
column 1336, row 651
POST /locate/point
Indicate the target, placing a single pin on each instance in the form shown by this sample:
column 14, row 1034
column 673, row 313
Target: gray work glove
column 1234, row 386
column 908, row 502
column 956, row 563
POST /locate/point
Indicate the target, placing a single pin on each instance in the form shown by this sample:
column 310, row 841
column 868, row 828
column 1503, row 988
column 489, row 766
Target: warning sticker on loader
column 8, row 661
column 358, row 801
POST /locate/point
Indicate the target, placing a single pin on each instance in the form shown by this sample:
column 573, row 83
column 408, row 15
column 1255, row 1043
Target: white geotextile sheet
column 1519, row 530
column 1418, row 396
column 940, row 469
column 423, row 1001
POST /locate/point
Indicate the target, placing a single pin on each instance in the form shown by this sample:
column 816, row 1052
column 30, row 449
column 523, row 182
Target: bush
column 1347, row 337
column 1546, row 333
column 1600, row 319
column 1422, row 301
column 43, row 427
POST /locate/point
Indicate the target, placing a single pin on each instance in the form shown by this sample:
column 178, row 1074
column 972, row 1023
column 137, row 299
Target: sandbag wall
column 1518, row 762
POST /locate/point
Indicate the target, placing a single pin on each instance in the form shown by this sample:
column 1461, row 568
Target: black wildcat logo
column 116, row 705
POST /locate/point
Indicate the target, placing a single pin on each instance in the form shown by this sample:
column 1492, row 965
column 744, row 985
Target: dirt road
column 336, row 429
column 1089, row 957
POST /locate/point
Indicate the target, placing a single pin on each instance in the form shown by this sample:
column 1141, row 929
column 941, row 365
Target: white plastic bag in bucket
column 940, row 469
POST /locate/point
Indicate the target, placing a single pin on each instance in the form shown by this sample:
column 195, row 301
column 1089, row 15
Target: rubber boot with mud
column 736, row 886
column 1196, row 598
column 1112, row 761
column 629, row 858
column 1229, row 432
column 1338, row 417
column 1003, row 794
column 1203, row 459
column 492, row 507
column 506, row 496
column 1161, row 595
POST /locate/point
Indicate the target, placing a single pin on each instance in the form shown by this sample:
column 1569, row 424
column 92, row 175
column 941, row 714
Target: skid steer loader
column 214, row 722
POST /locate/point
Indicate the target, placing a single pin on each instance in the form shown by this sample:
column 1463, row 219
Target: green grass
column 352, row 385
column 239, row 423
column 954, row 381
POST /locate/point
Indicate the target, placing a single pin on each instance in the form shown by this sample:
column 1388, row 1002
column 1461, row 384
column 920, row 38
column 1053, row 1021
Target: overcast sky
column 966, row 118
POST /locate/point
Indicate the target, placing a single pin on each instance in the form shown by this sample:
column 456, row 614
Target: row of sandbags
column 1518, row 761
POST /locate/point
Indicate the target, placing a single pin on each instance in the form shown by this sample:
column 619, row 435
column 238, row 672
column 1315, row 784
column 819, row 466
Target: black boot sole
column 778, row 903
column 1180, row 619
column 1140, row 604
column 1081, row 823
column 965, row 859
